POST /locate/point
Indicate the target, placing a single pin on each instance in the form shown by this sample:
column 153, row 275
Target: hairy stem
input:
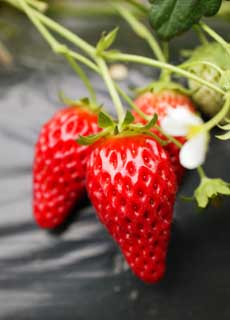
column 162, row 65
column 112, row 90
column 82, row 75
column 201, row 172
column 218, row 117
column 215, row 36
column 141, row 30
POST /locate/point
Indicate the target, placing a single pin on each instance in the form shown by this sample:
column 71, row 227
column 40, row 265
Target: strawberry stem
column 219, row 116
column 215, row 36
column 112, row 90
column 61, row 49
column 200, row 34
column 82, row 75
column 141, row 30
column 39, row 5
column 201, row 172
column 162, row 65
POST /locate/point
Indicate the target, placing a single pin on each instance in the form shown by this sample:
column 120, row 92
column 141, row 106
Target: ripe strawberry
column 158, row 103
column 132, row 186
column 60, row 163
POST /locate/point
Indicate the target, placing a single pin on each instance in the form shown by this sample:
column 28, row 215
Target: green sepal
column 88, row 139
column 105, row 121
column 170, row 18
column 158, row 86
column 106, row 41
column 225, row 80
column 84, row 102
column 225, row 136
column 209, row 189
column 151, row 123
column 139, row 127
column 225, row 127
column 129, row 118
column 68, row 101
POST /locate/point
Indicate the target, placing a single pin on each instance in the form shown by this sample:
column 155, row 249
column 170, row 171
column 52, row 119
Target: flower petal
column 193, row 152
column 178, row 121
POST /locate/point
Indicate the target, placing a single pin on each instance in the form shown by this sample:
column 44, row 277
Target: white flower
column 180, row 122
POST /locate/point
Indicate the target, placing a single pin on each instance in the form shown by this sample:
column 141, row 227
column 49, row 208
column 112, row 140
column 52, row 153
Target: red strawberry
column 158, row 103
column 60, row 164
column 132, row 186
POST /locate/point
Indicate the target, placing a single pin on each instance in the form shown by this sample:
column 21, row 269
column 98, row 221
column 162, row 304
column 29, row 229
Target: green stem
column 58, row 48
column 77, row 10
column 201, row 172
column 112, row 90
column 78, row 57
column 65, row 33
column 200, row 34
column 218, row 117
column 215, row 36
column 170, row 138
column 141, row 30
column 154, row 63
column 82, row 75
column 29, row 12
column 132, row 104
column 141, row 7
column 39, row 5
column 165, row 46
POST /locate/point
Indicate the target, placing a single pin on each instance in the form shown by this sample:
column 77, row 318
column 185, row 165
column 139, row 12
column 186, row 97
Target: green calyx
column 163, row 85
column 84, row 103
column 225, row 127
column 127, row 127
column 212, row 52
column 209, row 190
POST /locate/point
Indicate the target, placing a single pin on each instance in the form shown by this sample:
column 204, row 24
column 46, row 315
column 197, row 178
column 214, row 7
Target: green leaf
column 210, row 189
column 129, row 118
column 170, row 18
column 106, row 41
column 105, row 121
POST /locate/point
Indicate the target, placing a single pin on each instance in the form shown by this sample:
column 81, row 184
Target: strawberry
column 60, row 164
column 158, row 103
column 132, row 186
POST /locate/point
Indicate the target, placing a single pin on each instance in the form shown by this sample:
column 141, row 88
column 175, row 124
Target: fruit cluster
column 132, row 167
column 130, row 178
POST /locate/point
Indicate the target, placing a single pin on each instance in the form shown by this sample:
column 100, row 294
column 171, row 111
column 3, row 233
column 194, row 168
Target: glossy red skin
column 151, row 103
column 60, row 164
column 132, row 186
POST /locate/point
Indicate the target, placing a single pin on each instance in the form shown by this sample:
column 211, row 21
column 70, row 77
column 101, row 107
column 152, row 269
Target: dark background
column 78, row 272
